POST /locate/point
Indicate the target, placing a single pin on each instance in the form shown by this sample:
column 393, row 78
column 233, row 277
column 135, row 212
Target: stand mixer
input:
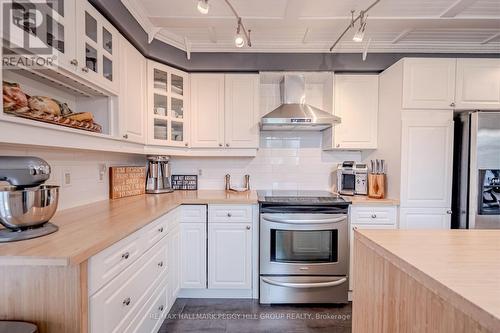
column 26, row 205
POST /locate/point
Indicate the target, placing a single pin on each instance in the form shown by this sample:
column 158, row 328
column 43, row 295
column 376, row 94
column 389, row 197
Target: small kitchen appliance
column 352, row 178
column 304, row 247
column 158, row 175
column 26, row 205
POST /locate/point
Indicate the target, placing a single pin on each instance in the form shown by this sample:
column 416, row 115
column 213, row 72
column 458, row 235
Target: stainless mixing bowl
column 30, row 207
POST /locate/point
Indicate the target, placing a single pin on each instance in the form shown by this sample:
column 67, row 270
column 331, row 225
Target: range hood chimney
column 294, row 114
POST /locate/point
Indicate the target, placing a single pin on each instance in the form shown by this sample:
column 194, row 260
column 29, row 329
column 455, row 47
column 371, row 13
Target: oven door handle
column 304, row 221
column 305, row 285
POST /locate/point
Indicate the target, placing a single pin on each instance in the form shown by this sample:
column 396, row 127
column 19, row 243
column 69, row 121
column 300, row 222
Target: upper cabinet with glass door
column 97, row 49
column 167, row 105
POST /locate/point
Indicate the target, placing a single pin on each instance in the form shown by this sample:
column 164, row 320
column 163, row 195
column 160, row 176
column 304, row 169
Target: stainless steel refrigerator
column 476, row 171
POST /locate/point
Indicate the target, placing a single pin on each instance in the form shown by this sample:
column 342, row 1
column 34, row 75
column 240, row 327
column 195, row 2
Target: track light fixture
column 360, row 33
column 203, row 6
column 242, row 36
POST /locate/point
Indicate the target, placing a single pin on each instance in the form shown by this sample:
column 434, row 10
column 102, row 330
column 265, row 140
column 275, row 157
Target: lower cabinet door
column 173, row 264
column 230, row 255
column 193, row 255
column 351, row 245
column 425, row 218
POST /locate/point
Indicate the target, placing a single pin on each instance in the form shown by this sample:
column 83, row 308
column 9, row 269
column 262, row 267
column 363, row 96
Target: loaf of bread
column 42, row 104
column 81, row 116
column 14, row 99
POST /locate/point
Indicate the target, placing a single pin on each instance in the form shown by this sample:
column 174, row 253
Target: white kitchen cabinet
column 425, row 218
column 241, row 111
column 207, row 110
column 230, row 255
column 168, row 96
column 173, row 265
column 133, row 89
column 356, row 103
column 97, row 50
column 426, row 159
column 429, row 83
column 478, row 84
column 193, row 255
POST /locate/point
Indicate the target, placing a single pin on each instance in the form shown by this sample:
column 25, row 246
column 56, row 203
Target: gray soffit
column 121, row 18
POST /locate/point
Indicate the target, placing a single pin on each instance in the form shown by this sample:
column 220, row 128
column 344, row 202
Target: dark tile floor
column 244, row 315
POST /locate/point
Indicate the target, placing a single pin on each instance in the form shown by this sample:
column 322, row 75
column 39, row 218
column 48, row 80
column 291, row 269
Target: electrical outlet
column 66, row 177
column 102, row 168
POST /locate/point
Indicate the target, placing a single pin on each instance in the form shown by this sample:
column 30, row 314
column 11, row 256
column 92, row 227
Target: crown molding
column 139, row 15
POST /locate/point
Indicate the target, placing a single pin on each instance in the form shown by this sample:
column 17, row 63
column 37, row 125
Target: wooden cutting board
column 126, row 181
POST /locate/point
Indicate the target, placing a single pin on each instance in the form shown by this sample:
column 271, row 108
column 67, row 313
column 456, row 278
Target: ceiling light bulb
column 358, row 36
column 239, row 41
column 203, row 6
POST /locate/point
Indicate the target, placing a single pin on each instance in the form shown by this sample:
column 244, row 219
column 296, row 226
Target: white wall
column 83, row 167
column 286, row 160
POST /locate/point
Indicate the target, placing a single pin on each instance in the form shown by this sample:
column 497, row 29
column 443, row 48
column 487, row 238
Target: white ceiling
column 313, row 25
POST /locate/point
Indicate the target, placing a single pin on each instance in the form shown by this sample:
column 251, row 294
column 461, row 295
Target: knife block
column 376, row 186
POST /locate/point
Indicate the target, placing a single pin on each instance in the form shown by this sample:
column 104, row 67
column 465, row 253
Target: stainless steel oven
column 304, row 251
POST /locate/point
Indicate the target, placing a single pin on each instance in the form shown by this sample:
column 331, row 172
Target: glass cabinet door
column 167, row 101
column 98, row 49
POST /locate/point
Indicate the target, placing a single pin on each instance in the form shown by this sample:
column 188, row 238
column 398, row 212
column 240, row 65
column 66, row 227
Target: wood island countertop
column 359, row 200
column 86, row 230
column 462, row 267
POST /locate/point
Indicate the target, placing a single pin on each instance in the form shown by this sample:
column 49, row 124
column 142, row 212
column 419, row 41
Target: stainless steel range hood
column 294, row 114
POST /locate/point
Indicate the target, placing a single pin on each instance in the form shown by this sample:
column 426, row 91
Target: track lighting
column 203, row 6
column 239, row 40
column 360, row 34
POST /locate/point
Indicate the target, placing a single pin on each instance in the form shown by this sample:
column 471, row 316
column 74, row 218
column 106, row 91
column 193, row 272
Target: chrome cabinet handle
column 227, row 144
column 85, row 70
column 161, row 308
column 305, row 285
column 160, row 264
column 125, row 255
column 125, row 136
column 160, row 230
column 74, row 62
column 248, row 227
column 229, row 215
column 126, row 301
column 452, row 104
column 220, row 144
column 449, row 212
column 374, row 216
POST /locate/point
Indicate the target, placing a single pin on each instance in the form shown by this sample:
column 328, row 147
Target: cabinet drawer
column 155, row 231
column 152, row 314
column 110, row 262
column 373, row 215
column 193, row 213
column 229, row 213
column 113, row 307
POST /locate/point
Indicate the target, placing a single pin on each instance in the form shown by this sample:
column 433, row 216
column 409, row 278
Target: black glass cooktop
column 300, row 197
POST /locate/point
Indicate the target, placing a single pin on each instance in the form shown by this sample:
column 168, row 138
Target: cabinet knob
column 248, row 227
column 160, row 264
column 74, row 62
column 125, row 136
column 125, row 255
column 160, row 230
column 452, row 104
column 229, row 215
column 126, row 301
column 354, row 228
column 374, row 216
column 220, row 144
column 186, row 144
column 227, row 144
column 338, row 145
column 449, row 212
column 161, row 308
column 85, row 70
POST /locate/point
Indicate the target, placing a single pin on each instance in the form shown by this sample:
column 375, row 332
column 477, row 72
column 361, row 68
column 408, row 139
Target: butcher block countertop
column 364, row 200
column 86, row 230
column 460, row 266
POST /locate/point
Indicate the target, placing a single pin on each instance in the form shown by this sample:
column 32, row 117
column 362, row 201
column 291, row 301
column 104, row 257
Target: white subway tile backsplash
column 285, row 160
